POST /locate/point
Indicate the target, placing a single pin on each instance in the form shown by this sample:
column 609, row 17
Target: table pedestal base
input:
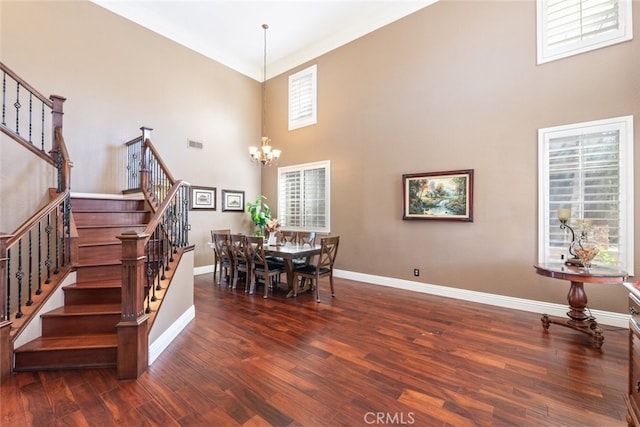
column 578, row 318
column 588, row 326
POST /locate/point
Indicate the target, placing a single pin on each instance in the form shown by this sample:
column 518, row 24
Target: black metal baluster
column 59, row 172
column 19, row 276
column 8, row 313
column 154, row 261
column 149, row 273
column 185, row 219
column 57, row 243
column 67, row 231
column 30, row 115
column 39, row 291
column 17, row 106
column 4, row 99
column 42, row 128
column 30, row 300
column 47, row 263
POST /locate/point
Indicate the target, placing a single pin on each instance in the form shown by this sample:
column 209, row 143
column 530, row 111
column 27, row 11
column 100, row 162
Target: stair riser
column 98, row 273
column 79, row 324
column 78, row 296
column 111, row 218
column 99, row 254
column 66, row 359
column 104, row 234
column 107, row 204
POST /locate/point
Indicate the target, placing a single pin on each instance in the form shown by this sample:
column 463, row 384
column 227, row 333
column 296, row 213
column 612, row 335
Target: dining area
column 292, row 262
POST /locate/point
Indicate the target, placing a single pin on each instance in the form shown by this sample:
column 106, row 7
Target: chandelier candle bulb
column 564, row 214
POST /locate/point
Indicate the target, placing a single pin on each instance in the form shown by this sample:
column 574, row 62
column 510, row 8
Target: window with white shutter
column 303, row 106
column 570, row 27
column 588, row 168
column 304, row 197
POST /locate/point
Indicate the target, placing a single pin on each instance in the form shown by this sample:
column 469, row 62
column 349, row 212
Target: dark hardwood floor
column 370, row 356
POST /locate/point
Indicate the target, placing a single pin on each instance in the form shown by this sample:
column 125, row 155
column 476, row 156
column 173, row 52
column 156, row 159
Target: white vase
column 273, row 239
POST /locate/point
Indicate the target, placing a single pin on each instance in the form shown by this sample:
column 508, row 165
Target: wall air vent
column 195, row 144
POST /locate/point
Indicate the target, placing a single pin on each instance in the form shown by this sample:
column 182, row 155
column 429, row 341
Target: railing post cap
column 132, row 235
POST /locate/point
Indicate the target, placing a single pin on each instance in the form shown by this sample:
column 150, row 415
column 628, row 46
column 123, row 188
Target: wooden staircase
column 82, row 333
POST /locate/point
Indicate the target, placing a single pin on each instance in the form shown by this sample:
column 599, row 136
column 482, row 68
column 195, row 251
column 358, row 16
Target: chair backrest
column 328, row 252
column 306, row 238
column 288, row 237
column 238, row 247
column 221, row 231
column 255, row 251
column 221, row 243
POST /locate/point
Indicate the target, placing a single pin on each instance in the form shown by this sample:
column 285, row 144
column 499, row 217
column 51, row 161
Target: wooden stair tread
column 109, row 210
column 84, row 309
column 85, row 227
column 71, row 342
column 113, row 283
column 98, row 264
column 108, row 243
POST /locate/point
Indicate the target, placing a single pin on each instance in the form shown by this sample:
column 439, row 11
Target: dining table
column 288, row 252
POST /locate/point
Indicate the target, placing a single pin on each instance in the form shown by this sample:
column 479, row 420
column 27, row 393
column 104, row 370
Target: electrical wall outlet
column 416, row 272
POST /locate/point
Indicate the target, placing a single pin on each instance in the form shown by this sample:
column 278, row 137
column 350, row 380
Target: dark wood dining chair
column 241, row 262
column 322, row 266
column 225, row 258
column 263, row 268
column 216, row 256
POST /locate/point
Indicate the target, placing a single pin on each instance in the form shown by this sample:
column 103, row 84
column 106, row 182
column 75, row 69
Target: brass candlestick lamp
column 563, row 216
column 581, row 249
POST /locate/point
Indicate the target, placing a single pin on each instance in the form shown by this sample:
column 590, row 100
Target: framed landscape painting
column 232, row 201
column 438, row 195
column 203, row 198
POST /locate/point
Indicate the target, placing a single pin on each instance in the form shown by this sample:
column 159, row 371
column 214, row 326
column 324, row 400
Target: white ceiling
column 230, row 31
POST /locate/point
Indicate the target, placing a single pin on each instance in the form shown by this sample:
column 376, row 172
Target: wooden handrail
column 163, row 166
column 37, row 217
column 26, row 144
column 26, row 85
column 159, row 214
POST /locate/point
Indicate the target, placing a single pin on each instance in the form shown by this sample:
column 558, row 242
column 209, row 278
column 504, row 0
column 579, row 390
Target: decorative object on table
column 273, row 228
column 232, row 201
column 265, row 154
column 438, row 195
column 202, row 198
column 260, row 214
column 583, row 246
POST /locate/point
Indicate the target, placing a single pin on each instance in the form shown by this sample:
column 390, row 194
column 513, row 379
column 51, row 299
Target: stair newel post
column 6, row 349
column 145, row 158
column 133, row 337
column 56, row 122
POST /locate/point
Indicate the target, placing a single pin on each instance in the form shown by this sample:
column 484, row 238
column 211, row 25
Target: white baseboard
column 603, row 317
column 157, row 347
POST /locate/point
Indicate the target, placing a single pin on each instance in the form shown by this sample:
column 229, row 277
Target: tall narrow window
column 588, row 168
column 303, row 98
column 304, row 196
column 570, row 27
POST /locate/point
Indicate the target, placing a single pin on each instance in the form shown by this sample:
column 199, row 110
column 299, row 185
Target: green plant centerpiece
column 260, row 214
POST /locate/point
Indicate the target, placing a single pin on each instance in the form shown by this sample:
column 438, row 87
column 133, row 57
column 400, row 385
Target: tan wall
column 117, row 77
column 453, row 86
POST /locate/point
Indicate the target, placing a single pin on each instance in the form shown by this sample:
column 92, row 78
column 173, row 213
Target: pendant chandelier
column 265, row 154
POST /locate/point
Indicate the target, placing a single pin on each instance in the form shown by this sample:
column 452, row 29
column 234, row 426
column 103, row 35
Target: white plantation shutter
column 303, row 98
column 303, row 197
column 587, row 167
column 569, row 27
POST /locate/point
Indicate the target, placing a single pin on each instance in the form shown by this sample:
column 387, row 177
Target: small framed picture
column 438, row 195
column 232, row 201
column 203, row 198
